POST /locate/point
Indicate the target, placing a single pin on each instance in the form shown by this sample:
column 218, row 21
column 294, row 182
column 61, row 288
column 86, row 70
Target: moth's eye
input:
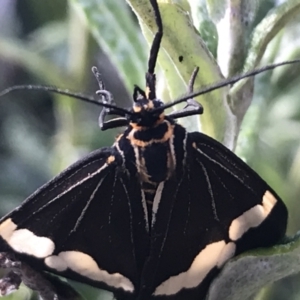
column 136, row 118
column 157, row 114
column 158, row 103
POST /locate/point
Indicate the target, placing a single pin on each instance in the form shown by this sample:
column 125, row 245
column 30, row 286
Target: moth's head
column 146, row 112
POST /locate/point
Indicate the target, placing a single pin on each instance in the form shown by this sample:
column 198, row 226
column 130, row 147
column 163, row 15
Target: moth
column 154, row 216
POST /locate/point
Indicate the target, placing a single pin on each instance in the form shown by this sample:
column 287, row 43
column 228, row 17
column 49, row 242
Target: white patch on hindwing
column 213, row 255
column 252, row 218
column 86, row 266
column 227, row 252
column 56, row 263
column 25, row 241
column 269, row 202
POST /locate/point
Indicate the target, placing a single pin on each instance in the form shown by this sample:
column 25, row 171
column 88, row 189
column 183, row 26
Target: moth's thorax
column 153, row 155
column 153, row 150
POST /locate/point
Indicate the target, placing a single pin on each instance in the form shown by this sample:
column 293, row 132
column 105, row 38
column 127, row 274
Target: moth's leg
column 191, row 103
column 8, row 261
column 10, row 283
column 37, row 282
column 192, row 80
column 12, row 280
column 192, row 107
column 48, row 287
column 107, row 97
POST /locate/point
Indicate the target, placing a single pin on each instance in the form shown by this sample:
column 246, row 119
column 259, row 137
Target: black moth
column 154, row 216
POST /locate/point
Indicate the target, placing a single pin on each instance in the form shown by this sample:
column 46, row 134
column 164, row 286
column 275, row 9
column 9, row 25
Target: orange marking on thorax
column 137, row 109
column 158, row 122
column 150, row 105
column 136, row 142
column 119, row 137
column 110, row 159
column 147, row 92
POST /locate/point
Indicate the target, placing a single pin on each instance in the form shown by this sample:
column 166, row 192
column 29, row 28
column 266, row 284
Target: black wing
column 87, row 224
column 216, row 208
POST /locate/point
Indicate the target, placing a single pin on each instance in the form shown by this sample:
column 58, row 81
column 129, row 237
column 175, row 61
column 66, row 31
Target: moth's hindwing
column 216, row 208
column 87, row 224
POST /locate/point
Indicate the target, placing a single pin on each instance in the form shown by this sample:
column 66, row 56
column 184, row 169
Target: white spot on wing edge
column 7, row 228
column 86, row 266
column 252, row 217
column 269, row 202
column 25, row 241
column 55, row 262
column 203, row 263
column 227, row 252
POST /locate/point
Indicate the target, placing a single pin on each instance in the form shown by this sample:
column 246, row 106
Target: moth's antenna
column 150, row 76
column 226, row 82
column 56, row 90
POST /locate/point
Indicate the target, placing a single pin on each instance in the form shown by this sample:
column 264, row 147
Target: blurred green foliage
column 48, row 42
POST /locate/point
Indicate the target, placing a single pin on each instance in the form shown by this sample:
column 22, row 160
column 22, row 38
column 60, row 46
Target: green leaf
column 113, row 28
column 216, row 9
column 268, row 28
column 87, row 292
column 243, row 276
column 24, row 55
column 23, row 293
column 264, row 32
column 242, row 92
